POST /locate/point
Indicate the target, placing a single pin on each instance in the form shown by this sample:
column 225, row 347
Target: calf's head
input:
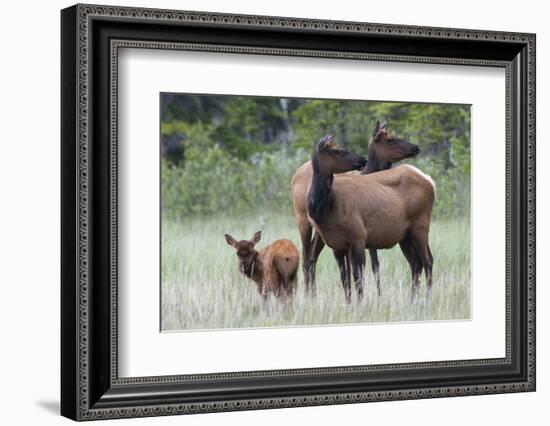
column 328, row 158
column 386, row 147
column 245, row 250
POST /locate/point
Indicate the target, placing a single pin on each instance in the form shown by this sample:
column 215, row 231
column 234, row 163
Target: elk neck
column 374, row 164
column 253, row 271
column 319, row 201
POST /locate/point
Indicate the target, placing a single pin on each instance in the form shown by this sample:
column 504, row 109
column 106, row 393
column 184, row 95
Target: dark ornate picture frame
column 90, row 38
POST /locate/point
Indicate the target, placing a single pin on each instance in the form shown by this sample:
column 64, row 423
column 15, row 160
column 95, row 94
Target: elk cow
column 273, row 269
column 352, row 212
column 384, row 149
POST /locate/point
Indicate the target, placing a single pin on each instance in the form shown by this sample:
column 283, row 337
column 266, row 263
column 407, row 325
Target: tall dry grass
column 202, row 289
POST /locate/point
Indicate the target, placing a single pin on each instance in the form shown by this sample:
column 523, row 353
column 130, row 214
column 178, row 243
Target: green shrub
column 452, row 188
column 214, row 182
column 239, row 156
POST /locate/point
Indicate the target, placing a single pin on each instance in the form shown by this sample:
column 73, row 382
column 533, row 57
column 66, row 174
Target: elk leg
column 287, row 286
column 279, row 290
column 408, row 249
column 278, row 285
column 358, row 266
column 317, row 246
column 281, row 295
column 375, row 268
column 342, row 257
column 425, row 255
column 418, row 271
column 305, row 235
column 291, row 285
column 429, row 269
column 265, row 295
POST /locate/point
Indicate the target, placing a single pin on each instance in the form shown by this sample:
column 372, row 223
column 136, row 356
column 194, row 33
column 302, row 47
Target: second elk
column 384, row 149
column 352, row 212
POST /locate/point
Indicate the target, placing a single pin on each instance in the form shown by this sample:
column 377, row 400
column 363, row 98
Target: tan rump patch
column 423, row 175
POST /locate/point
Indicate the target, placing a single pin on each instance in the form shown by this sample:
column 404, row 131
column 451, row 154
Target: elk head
column 329, row 159
column 246, row 252
column 386, row 147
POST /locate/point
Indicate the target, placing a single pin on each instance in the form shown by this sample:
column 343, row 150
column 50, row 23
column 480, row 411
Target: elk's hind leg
column 290, row 284
column 427, row 262
column 265, row 294
column 375, row 269
column 408, row 249
column 429, row 271
column 342, row 257
column 293, row 283
column 425, row 254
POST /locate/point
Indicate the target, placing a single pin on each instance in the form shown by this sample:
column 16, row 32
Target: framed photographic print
column 263, row 212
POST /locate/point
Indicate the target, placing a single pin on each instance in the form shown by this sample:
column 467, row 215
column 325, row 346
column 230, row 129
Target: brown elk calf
column 353, row 212
column 384, row 149
column 273, row 269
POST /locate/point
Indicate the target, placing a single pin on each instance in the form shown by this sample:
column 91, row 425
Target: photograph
column 266, row 209
column 283, row 211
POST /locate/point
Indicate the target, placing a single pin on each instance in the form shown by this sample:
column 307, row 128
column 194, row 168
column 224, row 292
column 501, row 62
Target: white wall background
column 29, row 212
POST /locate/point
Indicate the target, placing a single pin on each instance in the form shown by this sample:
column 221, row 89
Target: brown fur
column 273, row 269
column 384, row 149
column 376, row 211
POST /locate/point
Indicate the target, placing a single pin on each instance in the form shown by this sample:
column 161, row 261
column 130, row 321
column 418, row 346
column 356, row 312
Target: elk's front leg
column 316, row 247
column 357, row 255
column 305, row 234
column 342, row 257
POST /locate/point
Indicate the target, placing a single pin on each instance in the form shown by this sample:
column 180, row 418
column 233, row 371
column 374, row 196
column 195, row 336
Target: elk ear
column 325, row 142
column 256, row 238
column 376, row 129
column 384, row 125
column 230, row 240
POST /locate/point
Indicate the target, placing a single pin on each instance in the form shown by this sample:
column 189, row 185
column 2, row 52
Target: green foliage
column 215, row 182
column 348, row 120
column 239, row 153
column 244, row 121
column 452, row 188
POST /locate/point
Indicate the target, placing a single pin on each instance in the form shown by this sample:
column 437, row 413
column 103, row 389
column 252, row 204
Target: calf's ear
column 230, row 240
column 256, row 238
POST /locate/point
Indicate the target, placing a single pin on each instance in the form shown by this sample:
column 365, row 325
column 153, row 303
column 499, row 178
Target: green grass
column 202, row 289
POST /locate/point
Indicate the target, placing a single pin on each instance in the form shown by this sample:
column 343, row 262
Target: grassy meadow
column 202, row 288
column 225, row 159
